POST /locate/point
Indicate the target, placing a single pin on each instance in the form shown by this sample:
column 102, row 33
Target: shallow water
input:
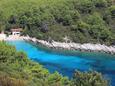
column 66, row 64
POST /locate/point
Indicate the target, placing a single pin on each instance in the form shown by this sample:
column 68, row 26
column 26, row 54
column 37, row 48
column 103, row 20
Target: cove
column 66, row 64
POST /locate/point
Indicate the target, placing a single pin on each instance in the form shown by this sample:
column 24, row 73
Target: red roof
column 16, row 30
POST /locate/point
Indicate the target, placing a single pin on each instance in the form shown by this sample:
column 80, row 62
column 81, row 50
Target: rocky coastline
column 74, row 46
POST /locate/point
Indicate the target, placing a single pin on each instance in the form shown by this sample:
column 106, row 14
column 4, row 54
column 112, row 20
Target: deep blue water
column 66, row 64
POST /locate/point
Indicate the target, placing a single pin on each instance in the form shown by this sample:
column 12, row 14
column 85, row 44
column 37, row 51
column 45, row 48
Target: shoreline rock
column 74, row 46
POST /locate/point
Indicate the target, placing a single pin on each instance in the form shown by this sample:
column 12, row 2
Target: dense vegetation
column 79, row 20
column 17, row 70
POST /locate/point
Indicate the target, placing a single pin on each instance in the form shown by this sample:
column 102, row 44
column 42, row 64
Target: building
column 16, row 31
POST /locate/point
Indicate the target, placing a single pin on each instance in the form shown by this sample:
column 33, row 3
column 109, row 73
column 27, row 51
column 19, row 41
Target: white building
column 16, row 31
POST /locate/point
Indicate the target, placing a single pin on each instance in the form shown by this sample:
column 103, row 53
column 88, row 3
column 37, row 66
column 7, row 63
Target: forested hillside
column 17, row 70
column 80, row 20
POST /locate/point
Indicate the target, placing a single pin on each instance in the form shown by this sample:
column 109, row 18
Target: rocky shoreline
column 74, row 46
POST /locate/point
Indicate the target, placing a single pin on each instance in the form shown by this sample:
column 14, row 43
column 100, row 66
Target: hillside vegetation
column 80, row 20
column 17, row 70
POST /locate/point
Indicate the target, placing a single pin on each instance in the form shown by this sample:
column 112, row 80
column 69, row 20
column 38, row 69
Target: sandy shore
column 74, row 46
column 14, row 37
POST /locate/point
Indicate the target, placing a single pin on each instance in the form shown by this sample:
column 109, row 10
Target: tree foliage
column 37, row 17
column 90, row 78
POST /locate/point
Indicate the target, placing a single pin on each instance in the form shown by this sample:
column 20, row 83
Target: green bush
column 90, row 78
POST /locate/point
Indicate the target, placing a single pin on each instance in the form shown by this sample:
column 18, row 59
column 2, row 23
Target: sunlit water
column 67, row 64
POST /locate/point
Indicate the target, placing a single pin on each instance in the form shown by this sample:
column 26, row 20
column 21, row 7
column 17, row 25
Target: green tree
column 90, row 78
column 100, row 3
column 112, row 11
column 85, row 6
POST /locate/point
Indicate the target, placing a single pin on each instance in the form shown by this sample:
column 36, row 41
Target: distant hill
column 80, row 20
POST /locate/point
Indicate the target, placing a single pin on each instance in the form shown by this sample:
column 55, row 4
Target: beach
column 14, row 37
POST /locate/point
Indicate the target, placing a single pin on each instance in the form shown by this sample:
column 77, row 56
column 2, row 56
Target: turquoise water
column 66, row 64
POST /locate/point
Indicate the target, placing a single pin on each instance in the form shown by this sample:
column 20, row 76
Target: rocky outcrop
column 75, row 46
